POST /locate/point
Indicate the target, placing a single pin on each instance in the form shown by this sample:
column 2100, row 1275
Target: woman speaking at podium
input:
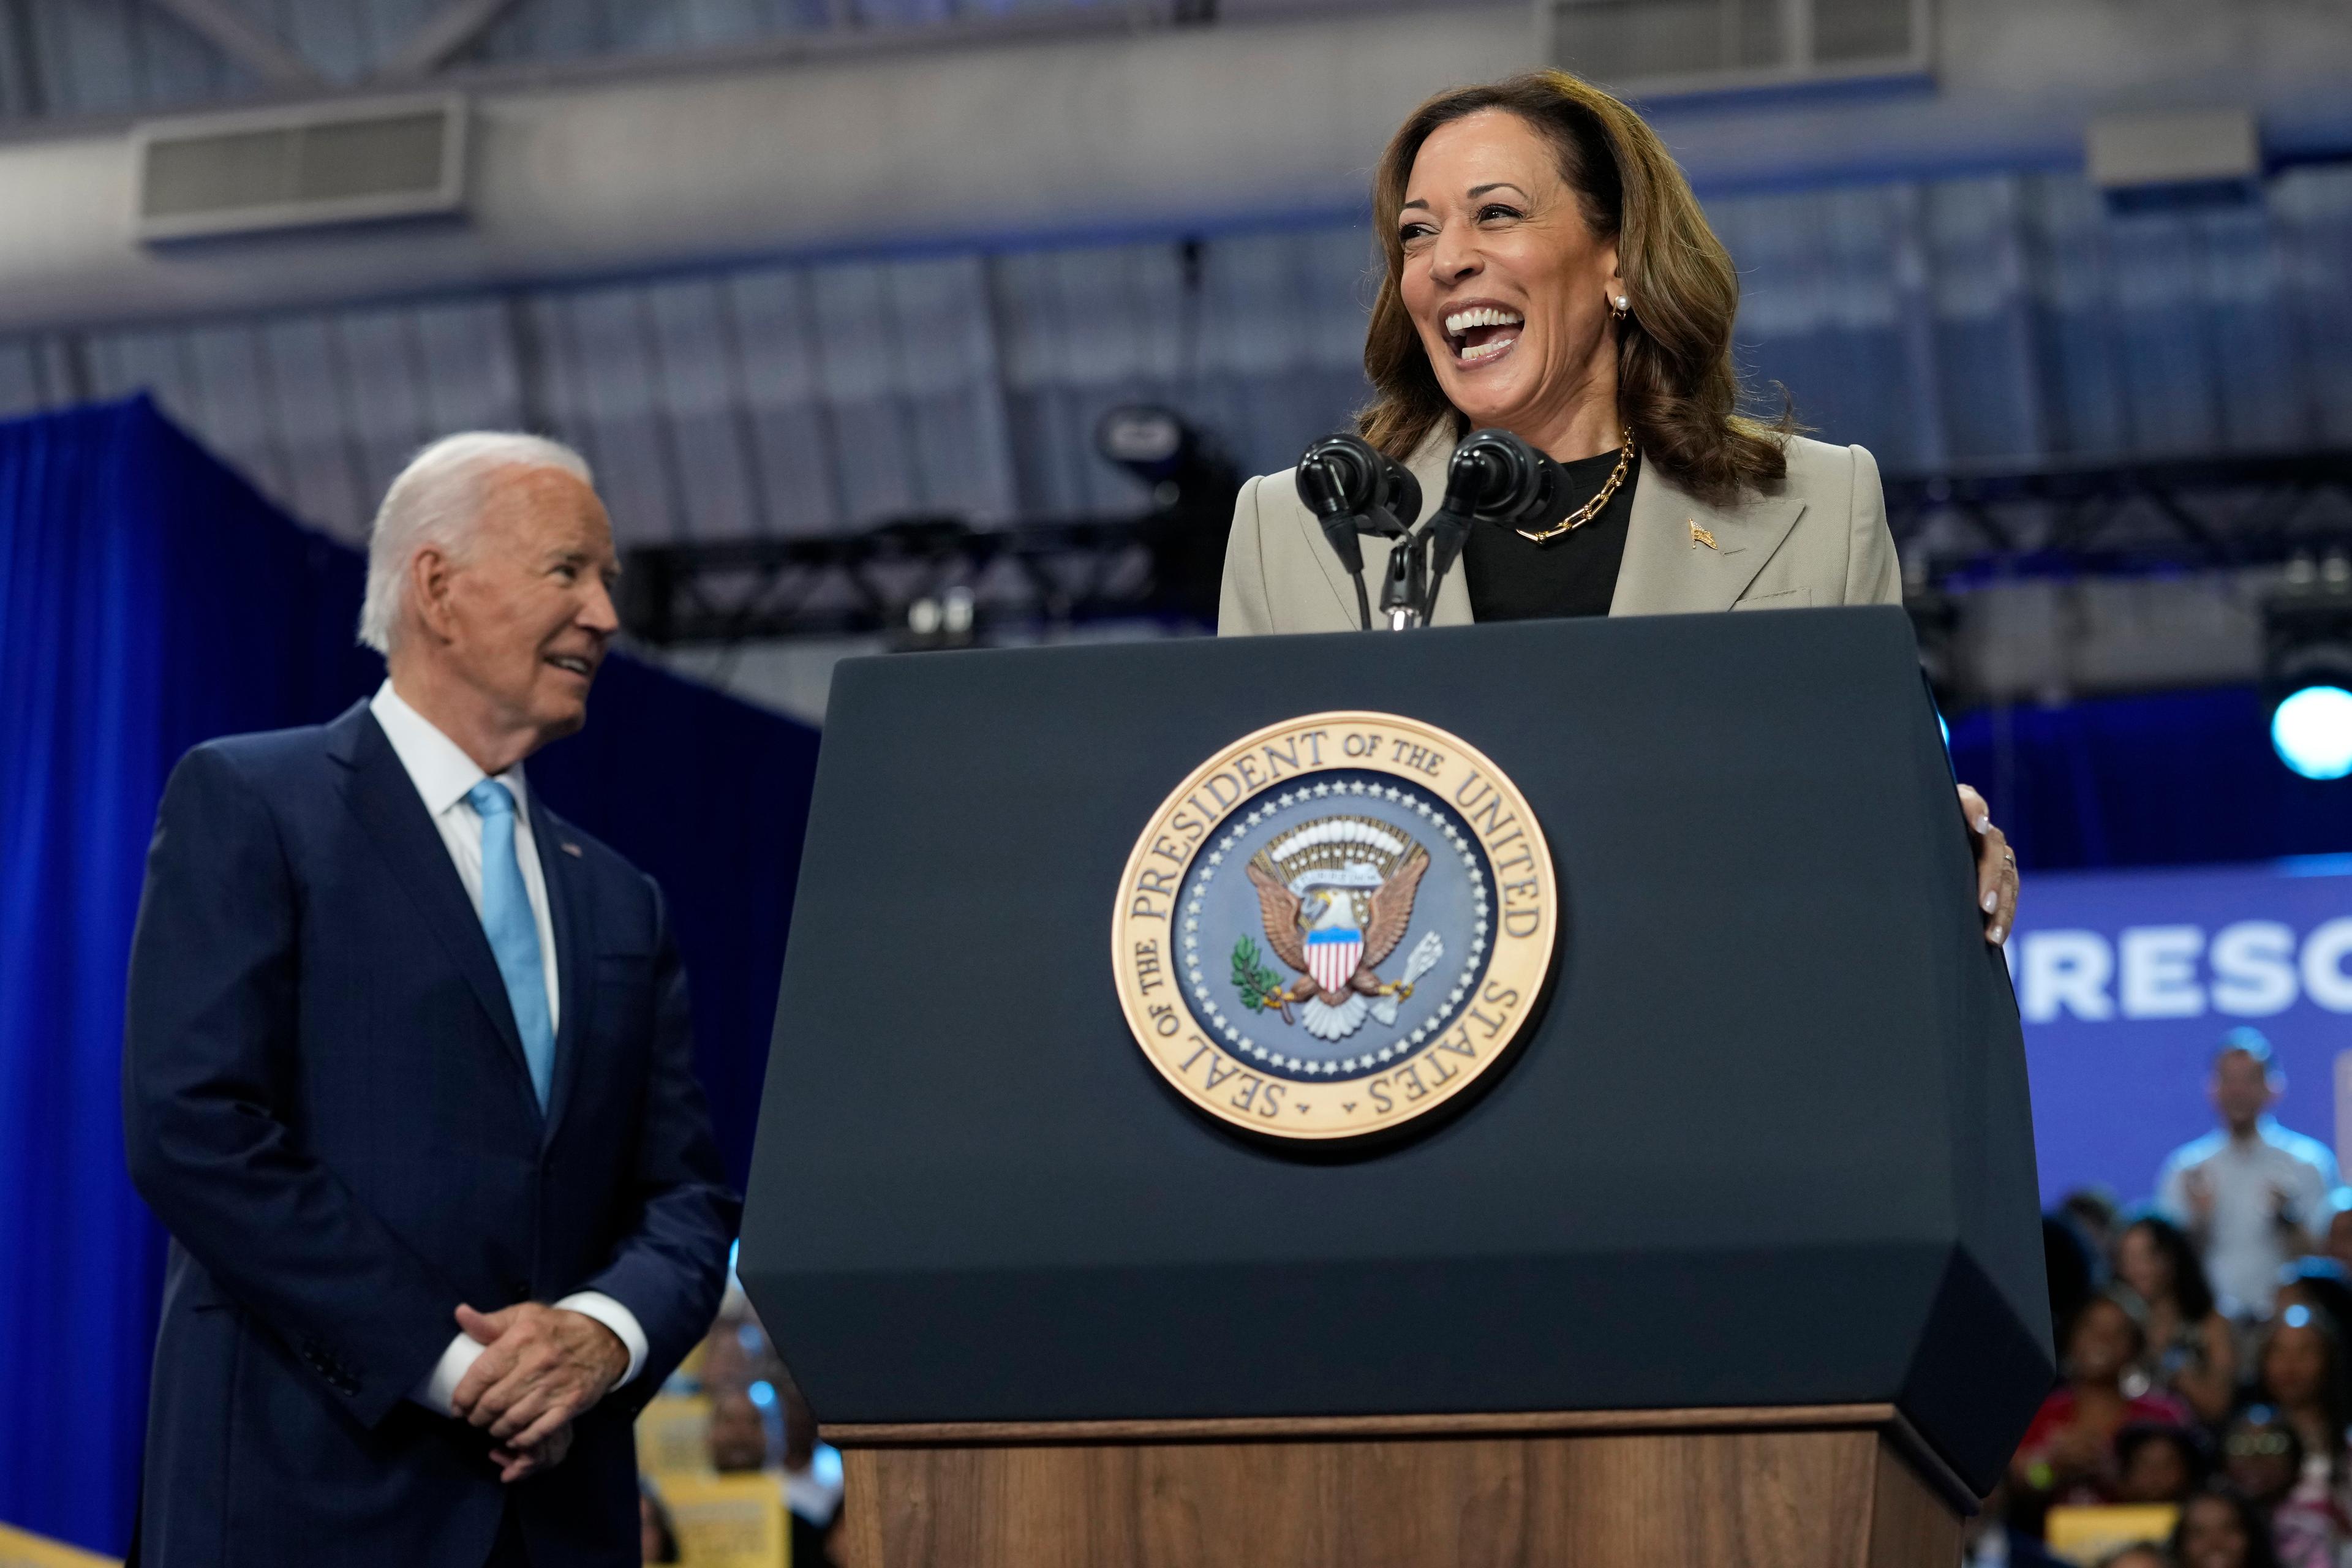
column 1551, row 273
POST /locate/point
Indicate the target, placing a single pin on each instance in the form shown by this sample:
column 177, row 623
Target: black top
column 1514, row 579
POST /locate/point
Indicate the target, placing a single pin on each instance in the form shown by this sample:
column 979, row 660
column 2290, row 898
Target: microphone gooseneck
column 1353, row 489
column 1493, row 476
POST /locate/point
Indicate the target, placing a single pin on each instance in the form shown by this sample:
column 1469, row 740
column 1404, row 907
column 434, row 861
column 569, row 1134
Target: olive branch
column 1260, row 986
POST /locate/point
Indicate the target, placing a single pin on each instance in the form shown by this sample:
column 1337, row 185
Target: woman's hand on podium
column 1996, row 867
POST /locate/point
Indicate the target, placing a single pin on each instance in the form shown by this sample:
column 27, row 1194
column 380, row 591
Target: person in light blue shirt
column 2249, row 1191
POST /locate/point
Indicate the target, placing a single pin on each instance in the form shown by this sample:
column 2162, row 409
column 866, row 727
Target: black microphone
column 1352, row 487
column 1493, row 476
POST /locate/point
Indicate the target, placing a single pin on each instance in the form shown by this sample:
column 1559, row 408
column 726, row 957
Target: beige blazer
column 1818, row 537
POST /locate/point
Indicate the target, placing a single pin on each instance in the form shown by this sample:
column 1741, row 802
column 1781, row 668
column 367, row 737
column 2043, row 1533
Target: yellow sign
column 730, row 1521
column 1335, row 926
column 674, row 1435
column 2088, row 1534
column 23, row 1549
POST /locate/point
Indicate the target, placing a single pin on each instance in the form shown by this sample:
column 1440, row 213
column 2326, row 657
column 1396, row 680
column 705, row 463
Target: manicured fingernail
column 1990, row 901
column 1984, row 821
column 1993, row 934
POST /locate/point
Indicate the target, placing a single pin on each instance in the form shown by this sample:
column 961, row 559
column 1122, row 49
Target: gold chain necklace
column 1590, row 508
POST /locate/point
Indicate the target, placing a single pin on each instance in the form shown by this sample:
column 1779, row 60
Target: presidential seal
column 1335, row 925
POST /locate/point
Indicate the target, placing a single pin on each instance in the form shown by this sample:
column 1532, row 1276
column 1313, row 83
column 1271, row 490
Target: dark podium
column 1736, row 1261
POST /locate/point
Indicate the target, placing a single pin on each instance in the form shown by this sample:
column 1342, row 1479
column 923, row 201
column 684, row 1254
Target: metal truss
column 928, row 581
column 934, row 580
column 1961, row 528
column 437, row 40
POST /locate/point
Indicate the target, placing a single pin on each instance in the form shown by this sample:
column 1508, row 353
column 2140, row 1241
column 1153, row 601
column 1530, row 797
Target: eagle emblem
column 1335, row 924
column 1336, row 899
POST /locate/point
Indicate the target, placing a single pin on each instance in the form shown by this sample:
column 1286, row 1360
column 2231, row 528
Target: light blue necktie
column 514, row 930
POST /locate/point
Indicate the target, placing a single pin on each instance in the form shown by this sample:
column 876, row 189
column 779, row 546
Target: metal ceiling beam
column 246, row 44
column 444, row 36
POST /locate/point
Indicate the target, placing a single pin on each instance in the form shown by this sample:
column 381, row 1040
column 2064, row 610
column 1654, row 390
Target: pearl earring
column 1619, row 305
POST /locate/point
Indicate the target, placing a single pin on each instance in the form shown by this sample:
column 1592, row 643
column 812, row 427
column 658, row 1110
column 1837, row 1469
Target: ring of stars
column 1439, row 823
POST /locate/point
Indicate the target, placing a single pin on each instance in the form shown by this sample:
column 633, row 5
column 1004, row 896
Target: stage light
column 2307, row 667
column 2311, row 729
column 1147, row 441
column 1193, row 484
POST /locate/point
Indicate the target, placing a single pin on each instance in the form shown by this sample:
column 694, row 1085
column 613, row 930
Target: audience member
column 736, row 1355
column 2068, row 1455
column 738, row 1434
column 2335, row 1236
column 2299, row 1372
column 2138, row 1554
column 810, row 1472
column 2072, row 1270
column 1989, row 1539
column 2189, row 1347
column 2092, row 1211
column 2262, row 1456
column 657, row 1536
column 2319, row 1283
column 812, row 1477
column 2246, row 1190
column 2159, row 1463
column 2218, row 1529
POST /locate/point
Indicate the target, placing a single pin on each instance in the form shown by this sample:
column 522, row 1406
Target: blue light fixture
column 2307, row 664
column 2311, row 729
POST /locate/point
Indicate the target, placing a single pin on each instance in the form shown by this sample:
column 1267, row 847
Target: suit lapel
column 1670, row 569
column 381, row 795
column 566, row 902
column 1335, row 576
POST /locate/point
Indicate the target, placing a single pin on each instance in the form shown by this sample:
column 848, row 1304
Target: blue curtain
column 151, row 599
column 2174, row 778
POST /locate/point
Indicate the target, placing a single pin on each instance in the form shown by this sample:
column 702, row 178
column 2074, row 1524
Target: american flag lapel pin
column 1700, row 536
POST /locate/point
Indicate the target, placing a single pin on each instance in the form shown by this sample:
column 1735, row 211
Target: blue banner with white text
column 2127, row 980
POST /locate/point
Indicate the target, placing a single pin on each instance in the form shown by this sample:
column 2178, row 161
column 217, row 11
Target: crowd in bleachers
column 2199, row 1418
column 2200, row 1413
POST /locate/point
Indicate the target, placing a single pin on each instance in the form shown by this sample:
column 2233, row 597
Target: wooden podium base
column 1845, row 1486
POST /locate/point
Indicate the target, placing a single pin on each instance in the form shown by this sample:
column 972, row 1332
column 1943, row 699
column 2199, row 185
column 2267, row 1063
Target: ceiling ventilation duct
column 1665, row 46
column 2175, row 158
column 301, row 166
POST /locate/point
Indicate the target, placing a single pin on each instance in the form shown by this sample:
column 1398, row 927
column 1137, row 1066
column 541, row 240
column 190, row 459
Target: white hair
column 437, row 500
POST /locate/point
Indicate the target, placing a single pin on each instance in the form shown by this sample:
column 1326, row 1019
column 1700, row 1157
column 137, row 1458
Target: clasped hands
column 540, row 1367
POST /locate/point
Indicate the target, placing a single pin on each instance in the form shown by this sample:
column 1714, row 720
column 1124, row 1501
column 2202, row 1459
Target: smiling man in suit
column 407, row 1076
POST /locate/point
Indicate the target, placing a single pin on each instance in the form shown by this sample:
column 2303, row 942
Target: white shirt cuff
column 440, row 1389
column 619, row 1319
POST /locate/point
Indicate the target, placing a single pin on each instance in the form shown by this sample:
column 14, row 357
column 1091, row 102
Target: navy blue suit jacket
column 325, row 1100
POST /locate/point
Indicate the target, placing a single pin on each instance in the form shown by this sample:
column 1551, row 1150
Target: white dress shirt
column 443, row 774
column 2243, row 1248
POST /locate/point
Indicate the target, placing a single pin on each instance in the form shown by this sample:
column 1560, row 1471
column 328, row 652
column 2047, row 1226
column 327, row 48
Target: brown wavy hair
column 1676, row 385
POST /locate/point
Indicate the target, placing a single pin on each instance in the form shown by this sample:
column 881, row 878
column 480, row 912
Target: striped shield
column 1331, row 955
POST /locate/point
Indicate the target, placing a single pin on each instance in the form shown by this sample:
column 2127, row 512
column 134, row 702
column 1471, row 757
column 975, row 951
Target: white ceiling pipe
column 1208, row 126
column 1168, row 131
